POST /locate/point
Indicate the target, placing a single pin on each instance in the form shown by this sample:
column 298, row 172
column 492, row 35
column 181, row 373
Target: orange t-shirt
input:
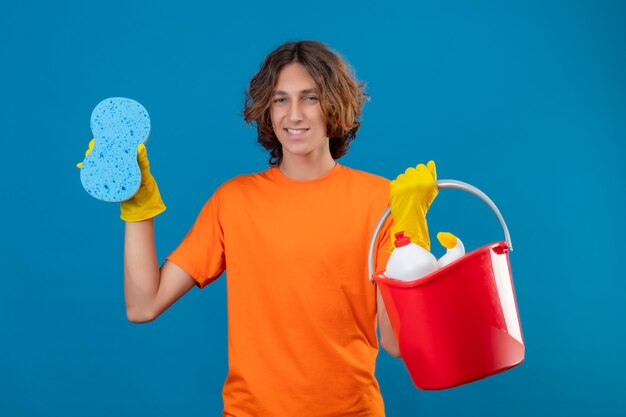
column 301, row 310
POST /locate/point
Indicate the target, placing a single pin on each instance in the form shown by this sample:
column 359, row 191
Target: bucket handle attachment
column 442, row 184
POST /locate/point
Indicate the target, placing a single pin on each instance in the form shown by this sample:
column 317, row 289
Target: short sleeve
column 201, row 253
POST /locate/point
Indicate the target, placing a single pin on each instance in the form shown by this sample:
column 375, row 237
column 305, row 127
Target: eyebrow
column 307, row 91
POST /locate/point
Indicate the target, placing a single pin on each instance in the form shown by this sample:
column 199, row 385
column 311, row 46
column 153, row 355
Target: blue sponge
column 111, row 172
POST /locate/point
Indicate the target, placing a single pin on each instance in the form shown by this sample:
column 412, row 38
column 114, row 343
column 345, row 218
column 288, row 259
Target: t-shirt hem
column 201, row 280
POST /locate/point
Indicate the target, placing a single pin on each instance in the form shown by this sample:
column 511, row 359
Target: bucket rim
column 380, row 277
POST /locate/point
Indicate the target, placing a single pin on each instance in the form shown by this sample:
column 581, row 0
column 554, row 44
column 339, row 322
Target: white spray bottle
column 454, row 248
column 409, row 261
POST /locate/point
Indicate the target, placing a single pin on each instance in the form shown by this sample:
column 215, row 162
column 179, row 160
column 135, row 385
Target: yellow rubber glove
column 147, row 203
column 412, row 193
column 87, row 152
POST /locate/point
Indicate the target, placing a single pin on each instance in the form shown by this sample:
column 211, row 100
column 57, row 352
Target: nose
column 295, row 111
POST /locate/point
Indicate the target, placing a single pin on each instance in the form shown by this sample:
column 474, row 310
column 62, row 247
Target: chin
column 297, row 152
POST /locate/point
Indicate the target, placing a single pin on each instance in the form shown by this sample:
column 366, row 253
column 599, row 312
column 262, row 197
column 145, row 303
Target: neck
column 306, row 167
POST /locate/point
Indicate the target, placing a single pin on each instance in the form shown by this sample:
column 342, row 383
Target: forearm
column 141, row 271
column 387, row 338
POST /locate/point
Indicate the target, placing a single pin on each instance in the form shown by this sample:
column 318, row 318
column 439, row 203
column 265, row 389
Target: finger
column 142, row 152
column 142, row 158
column 407, row 173
column 90, row 147
column 432, row 168
column 87, row 152
column 422, row 172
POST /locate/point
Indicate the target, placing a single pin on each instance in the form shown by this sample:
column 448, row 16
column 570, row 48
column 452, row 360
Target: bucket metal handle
column 442, row 184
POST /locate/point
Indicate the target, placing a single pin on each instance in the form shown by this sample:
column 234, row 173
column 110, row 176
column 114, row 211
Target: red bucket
column 459, row 323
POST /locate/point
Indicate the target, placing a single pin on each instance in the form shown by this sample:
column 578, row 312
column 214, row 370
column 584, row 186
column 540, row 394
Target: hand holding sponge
column 116, row 166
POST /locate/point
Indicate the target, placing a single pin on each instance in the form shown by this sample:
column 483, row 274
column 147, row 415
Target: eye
column 310, row 98
column 279, row 100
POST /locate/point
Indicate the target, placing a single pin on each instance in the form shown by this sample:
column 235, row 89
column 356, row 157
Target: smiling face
column 297, row 118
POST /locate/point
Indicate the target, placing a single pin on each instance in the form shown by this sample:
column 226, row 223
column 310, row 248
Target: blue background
column 526, row 101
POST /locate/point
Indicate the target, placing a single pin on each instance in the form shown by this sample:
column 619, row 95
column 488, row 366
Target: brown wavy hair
column 341, row 96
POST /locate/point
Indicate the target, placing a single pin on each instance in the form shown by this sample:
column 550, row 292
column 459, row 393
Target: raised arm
column 149, row 291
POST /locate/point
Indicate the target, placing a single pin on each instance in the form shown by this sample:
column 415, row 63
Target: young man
column 293, row 241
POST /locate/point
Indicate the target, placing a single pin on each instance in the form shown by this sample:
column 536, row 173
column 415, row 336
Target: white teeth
column 296, row 131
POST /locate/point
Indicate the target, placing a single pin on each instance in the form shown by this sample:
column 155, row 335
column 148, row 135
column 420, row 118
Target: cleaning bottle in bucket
column 454, row 248
column 409, row 261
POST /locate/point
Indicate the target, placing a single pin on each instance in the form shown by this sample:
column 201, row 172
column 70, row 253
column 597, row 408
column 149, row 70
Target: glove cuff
column 144, row 205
